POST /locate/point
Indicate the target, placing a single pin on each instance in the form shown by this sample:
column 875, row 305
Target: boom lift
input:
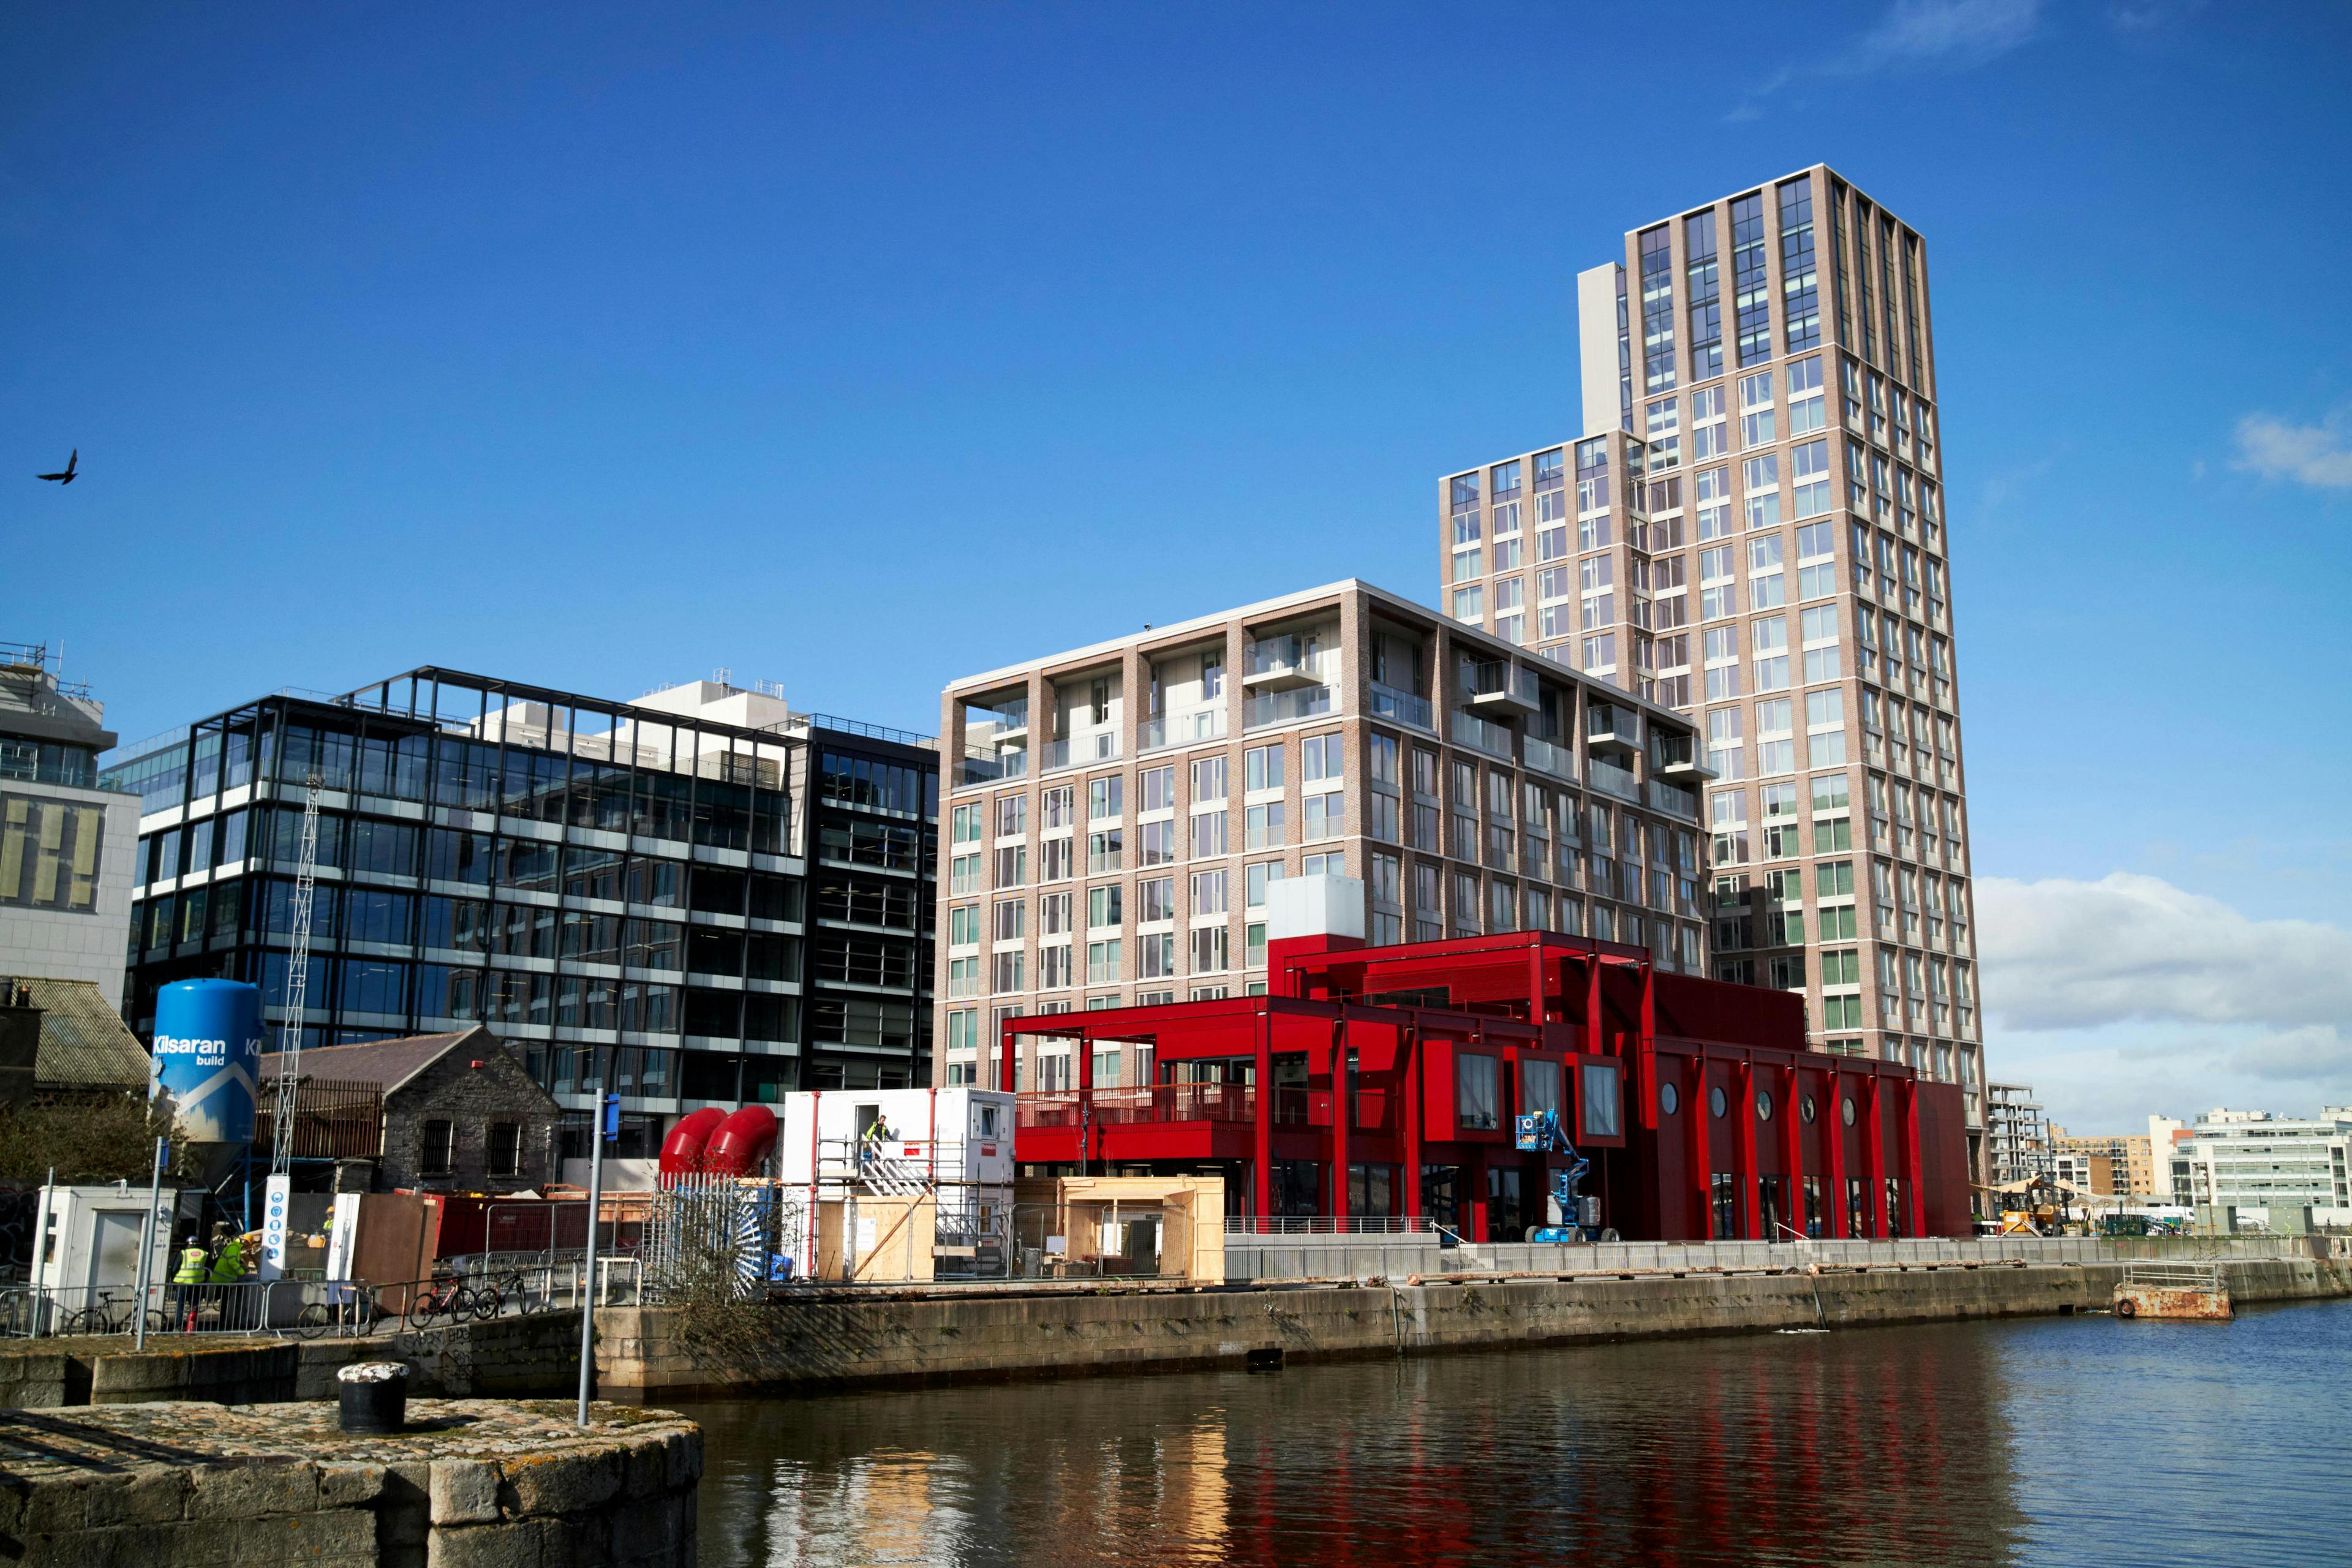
column 1571, row 1216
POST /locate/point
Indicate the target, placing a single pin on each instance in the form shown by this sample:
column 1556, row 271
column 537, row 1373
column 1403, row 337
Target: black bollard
column 373, row 1395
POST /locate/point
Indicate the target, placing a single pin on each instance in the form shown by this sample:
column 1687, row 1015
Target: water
column 2057, row 1440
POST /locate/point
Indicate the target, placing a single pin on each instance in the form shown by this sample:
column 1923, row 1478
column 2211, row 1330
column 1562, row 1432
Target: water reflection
column 1926, row 1445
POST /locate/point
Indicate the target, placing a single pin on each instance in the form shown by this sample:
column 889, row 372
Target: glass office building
column 700, row 897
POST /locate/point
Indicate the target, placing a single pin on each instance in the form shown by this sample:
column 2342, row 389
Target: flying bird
column 67, row 476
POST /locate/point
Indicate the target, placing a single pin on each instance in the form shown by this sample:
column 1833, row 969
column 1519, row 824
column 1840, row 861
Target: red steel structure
column 1701, row 1111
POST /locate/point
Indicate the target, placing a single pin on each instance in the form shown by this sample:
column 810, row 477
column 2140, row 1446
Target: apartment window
column 1262, row 769
column 964, row 824
column 1706, row 305
column 1054, row 859
column 438, row 1150
column 1750, row 280
column 1209, row 955
column 1156, row 842
column 1208, row 833
column 1012, row 865
column 1469, row 566
column 1011, row 816
column 1799, row 294
column 1770, row 637
column 1724, row 741
column 1322, row 816
column 1054, row 967
column 1776, row 752
column 1104, row 850
column 1255, row 878
column 1103, row 962
column 1765, row 590
column 1757, row 425
column 1656, row 253
column 1209, row 892
column 1011, row 917
column 1156, row 958
column 1104, row 798
column 963, row 926
column 963, row 875
column 1103, row 906
column 1057, row 807
column 1158, row 788
column 1263, row 826
column 1155, row 900
column 1470, row 604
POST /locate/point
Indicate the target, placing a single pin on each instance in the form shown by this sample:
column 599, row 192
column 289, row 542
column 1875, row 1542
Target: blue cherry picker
column 1541, row 1133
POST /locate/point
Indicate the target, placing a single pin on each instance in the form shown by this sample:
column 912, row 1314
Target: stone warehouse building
column 1116, row 813
column 459, row 1113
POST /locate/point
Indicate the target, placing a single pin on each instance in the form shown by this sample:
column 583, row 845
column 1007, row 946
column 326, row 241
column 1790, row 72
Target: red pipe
column 682, row 1150
column 742, row 1143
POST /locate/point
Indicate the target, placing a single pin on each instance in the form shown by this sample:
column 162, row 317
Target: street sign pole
column 608, row 1116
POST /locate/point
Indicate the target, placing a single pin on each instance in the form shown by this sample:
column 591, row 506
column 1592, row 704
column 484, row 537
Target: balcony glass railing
column 1603, row 722
column 1403, row 707
column 1674, row 799
column 1280, row 656
column 986, row 767
column 1289, row 707
column 1469, row 729
column 1546, row 758
column 1611, row 779
column 1183, row 729
column 1079, row 750
column 1500, row 678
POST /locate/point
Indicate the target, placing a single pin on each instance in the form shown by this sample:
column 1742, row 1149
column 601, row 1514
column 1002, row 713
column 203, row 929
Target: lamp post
column 608, row 1107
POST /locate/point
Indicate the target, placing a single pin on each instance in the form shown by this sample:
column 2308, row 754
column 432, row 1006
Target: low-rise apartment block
column 1115, row 814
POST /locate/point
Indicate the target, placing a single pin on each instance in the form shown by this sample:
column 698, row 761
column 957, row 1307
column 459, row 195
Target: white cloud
column 1956, row 34
column 1949, row 34
column 2127, row 996
column 2070, row 955
column 2317, row 454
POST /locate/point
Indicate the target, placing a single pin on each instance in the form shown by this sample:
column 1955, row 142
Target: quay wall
column 896, row 1340
column 470, row 1484
column 526, row 1356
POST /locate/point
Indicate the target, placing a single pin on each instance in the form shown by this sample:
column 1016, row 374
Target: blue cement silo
column 208, row 1040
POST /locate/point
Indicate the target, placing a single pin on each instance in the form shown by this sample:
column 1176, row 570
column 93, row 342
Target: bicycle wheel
column 311, row 1322
column 158, row 1322
column 487, row 1302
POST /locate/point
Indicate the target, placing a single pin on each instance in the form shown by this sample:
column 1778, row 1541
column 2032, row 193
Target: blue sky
column 856, row 348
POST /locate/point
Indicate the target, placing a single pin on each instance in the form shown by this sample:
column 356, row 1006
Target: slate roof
column 387, row 1064
column 85, row 1044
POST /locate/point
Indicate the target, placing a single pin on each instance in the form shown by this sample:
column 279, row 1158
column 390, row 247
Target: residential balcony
column 987, row 767
column 1545, row 757
column 1609, row 728
column 1674, row 799
column 1609, row 779
column 1279, row 664
column 1388, row 702
column 1079, row 750
column 1289, row 707
column 1182, row 729
column 1680, row 757
column 1500, row 687
column 1469, row 729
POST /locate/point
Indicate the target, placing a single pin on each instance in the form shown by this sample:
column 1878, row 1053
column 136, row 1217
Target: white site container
column 962, row 1135
column 88, row 1237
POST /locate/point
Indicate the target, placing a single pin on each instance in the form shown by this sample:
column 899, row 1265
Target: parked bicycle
column 108, row 1313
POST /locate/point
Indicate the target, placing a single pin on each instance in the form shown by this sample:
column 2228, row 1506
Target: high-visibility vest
column 230, row 1264
column 192, row 1267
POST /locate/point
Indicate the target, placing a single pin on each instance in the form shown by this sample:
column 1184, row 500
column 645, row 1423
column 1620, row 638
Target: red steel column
column 1408, row 1106
column 1701, row 1154
column 1004, row 1056
column 1833, row 1129
column 1085, row 1047
column 1340, row 1113
column 1596, row 1032
column 1265, row 1098
column 1873, row 1160
column 1750, row 1179
column 1793, row 1145
column 1914, row 1162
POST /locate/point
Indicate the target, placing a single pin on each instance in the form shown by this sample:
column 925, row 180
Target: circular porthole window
column 1668, row 1098
column 1805, row 1108
column 1846, row 1110
column 1715, row 1101
column 1763, row 1105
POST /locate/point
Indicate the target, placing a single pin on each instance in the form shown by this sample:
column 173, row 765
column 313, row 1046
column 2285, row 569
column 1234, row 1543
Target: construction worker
column 877, row 1133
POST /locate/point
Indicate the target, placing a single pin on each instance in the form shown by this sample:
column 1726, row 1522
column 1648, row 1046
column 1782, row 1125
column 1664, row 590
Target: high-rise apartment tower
column 1751, row 531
